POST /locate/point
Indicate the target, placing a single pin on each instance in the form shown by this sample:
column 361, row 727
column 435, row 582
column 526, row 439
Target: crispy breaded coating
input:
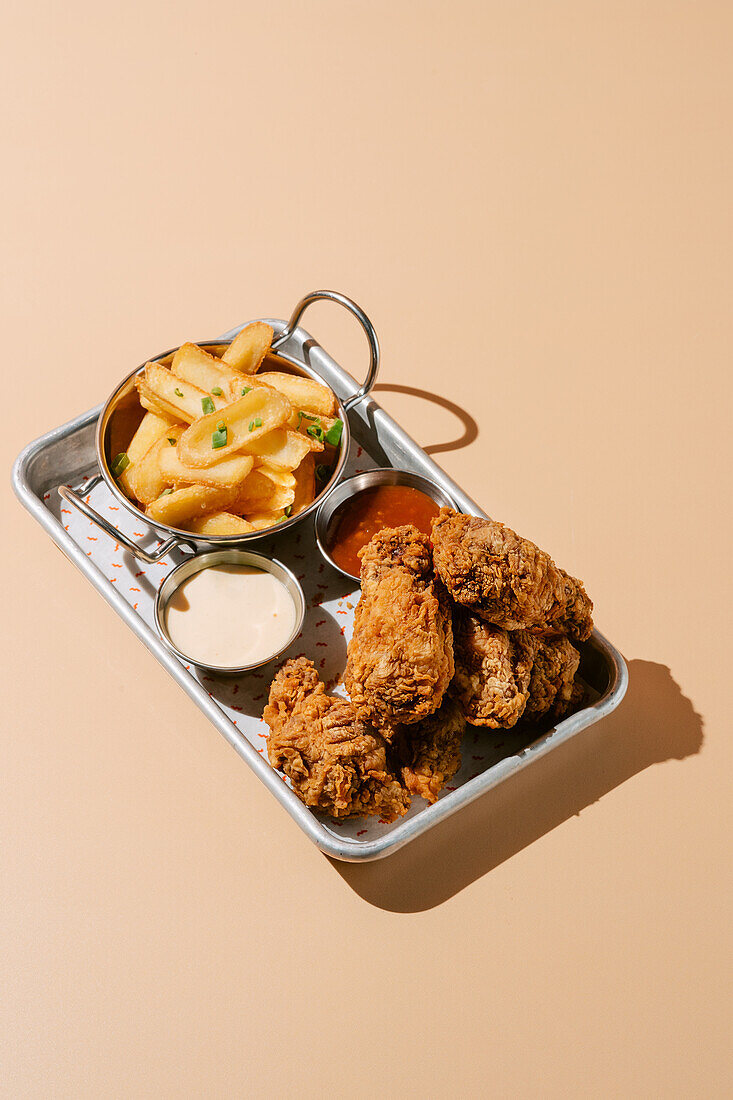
column 334, row 761
column 552, row 683
column 400, row 658
column 507, row 580
column 431, row 750
column 493, row 668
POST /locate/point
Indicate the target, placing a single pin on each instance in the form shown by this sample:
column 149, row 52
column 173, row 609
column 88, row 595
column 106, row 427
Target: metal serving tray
column 67, row 456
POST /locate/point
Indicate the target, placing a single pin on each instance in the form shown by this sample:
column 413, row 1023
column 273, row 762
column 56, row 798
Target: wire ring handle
column 150, row 558
column 366, row 324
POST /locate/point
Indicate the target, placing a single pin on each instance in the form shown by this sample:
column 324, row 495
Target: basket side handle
column 366, row 324
column 74, row 499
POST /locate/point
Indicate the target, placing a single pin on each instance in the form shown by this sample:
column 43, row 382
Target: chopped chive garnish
column 251, row 426
column 246, row 390
column 303, row 415
column 207, row 405
column 120, row 464
column 172, row 441
column 177, row 392
column 217, row 391
column 256, row 423
column 288, row 510
column 220, row 426
column 316, row 431
column 333, row 435
column 219, row 438
column 166, row 492
column 322, row 473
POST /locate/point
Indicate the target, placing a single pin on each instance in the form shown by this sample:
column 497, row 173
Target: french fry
column 284, row 478
column 301, row 420
column 260, row 493
column 180, row 507
column 249, row 347
column 220, row 523
column 303, row 393
column 260, row 521
column 243, row 422
column 282, row 447
column 194, row 365
column 305, row 484
column 147, row 479
column 150, row 429
column 228, row 473
column 176, row 397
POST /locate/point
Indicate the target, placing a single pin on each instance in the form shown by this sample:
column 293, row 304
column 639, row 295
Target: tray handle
column 78, row 502
column 366, row 324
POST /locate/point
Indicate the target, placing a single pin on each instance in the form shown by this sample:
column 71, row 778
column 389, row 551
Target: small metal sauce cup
column 370, row 479
column 195, row 564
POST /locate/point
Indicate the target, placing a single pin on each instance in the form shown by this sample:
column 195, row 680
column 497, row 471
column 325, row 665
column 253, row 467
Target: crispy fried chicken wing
column 431, row 750
column 335, row 762
column 552, row 688
column 507, row 580
column 400, row 658
column 493, row 668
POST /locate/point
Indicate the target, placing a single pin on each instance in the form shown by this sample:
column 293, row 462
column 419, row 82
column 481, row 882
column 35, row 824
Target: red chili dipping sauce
column 369, row 511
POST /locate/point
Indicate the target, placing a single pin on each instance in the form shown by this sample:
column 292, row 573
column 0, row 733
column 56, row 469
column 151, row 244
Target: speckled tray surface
column 66, row 456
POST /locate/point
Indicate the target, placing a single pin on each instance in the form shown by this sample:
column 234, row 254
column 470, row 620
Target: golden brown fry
column 262, row 520
column 281, row 447
column 178, row 508
column 303, row 393
column 150, row 429
column 245, row 420
column 301, row 420
column 194, row 365
column 173, row 395
column 261, row 493
column 226, row 474
column 305, row 484
column 147, row 478
column 285, row 479
column 249, row 347
column 220, row 523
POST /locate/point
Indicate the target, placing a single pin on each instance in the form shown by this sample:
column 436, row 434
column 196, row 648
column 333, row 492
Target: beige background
column 533, row 202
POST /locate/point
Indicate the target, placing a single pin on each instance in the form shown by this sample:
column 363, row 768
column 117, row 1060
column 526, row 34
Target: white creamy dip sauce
column 230, row 615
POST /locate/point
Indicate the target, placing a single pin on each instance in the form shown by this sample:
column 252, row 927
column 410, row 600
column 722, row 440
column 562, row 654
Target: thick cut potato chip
column 227, row 473
column 176, row 397
column 150, row 429
column 178, row 508
column 193, row 364
column 249, row 347
column 220, row 523
column 305, row 484
column 233, row 428
column 303, row 393
column 283, row 448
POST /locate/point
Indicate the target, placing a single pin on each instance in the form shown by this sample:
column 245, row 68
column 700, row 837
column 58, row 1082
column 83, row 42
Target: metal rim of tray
column 341, row 848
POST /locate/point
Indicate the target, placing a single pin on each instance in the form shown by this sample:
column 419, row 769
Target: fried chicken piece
column 493, row 669
column 431, row 750
column 507, row 580
column 400, row 658
column 552, row 688
column 334, row 761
